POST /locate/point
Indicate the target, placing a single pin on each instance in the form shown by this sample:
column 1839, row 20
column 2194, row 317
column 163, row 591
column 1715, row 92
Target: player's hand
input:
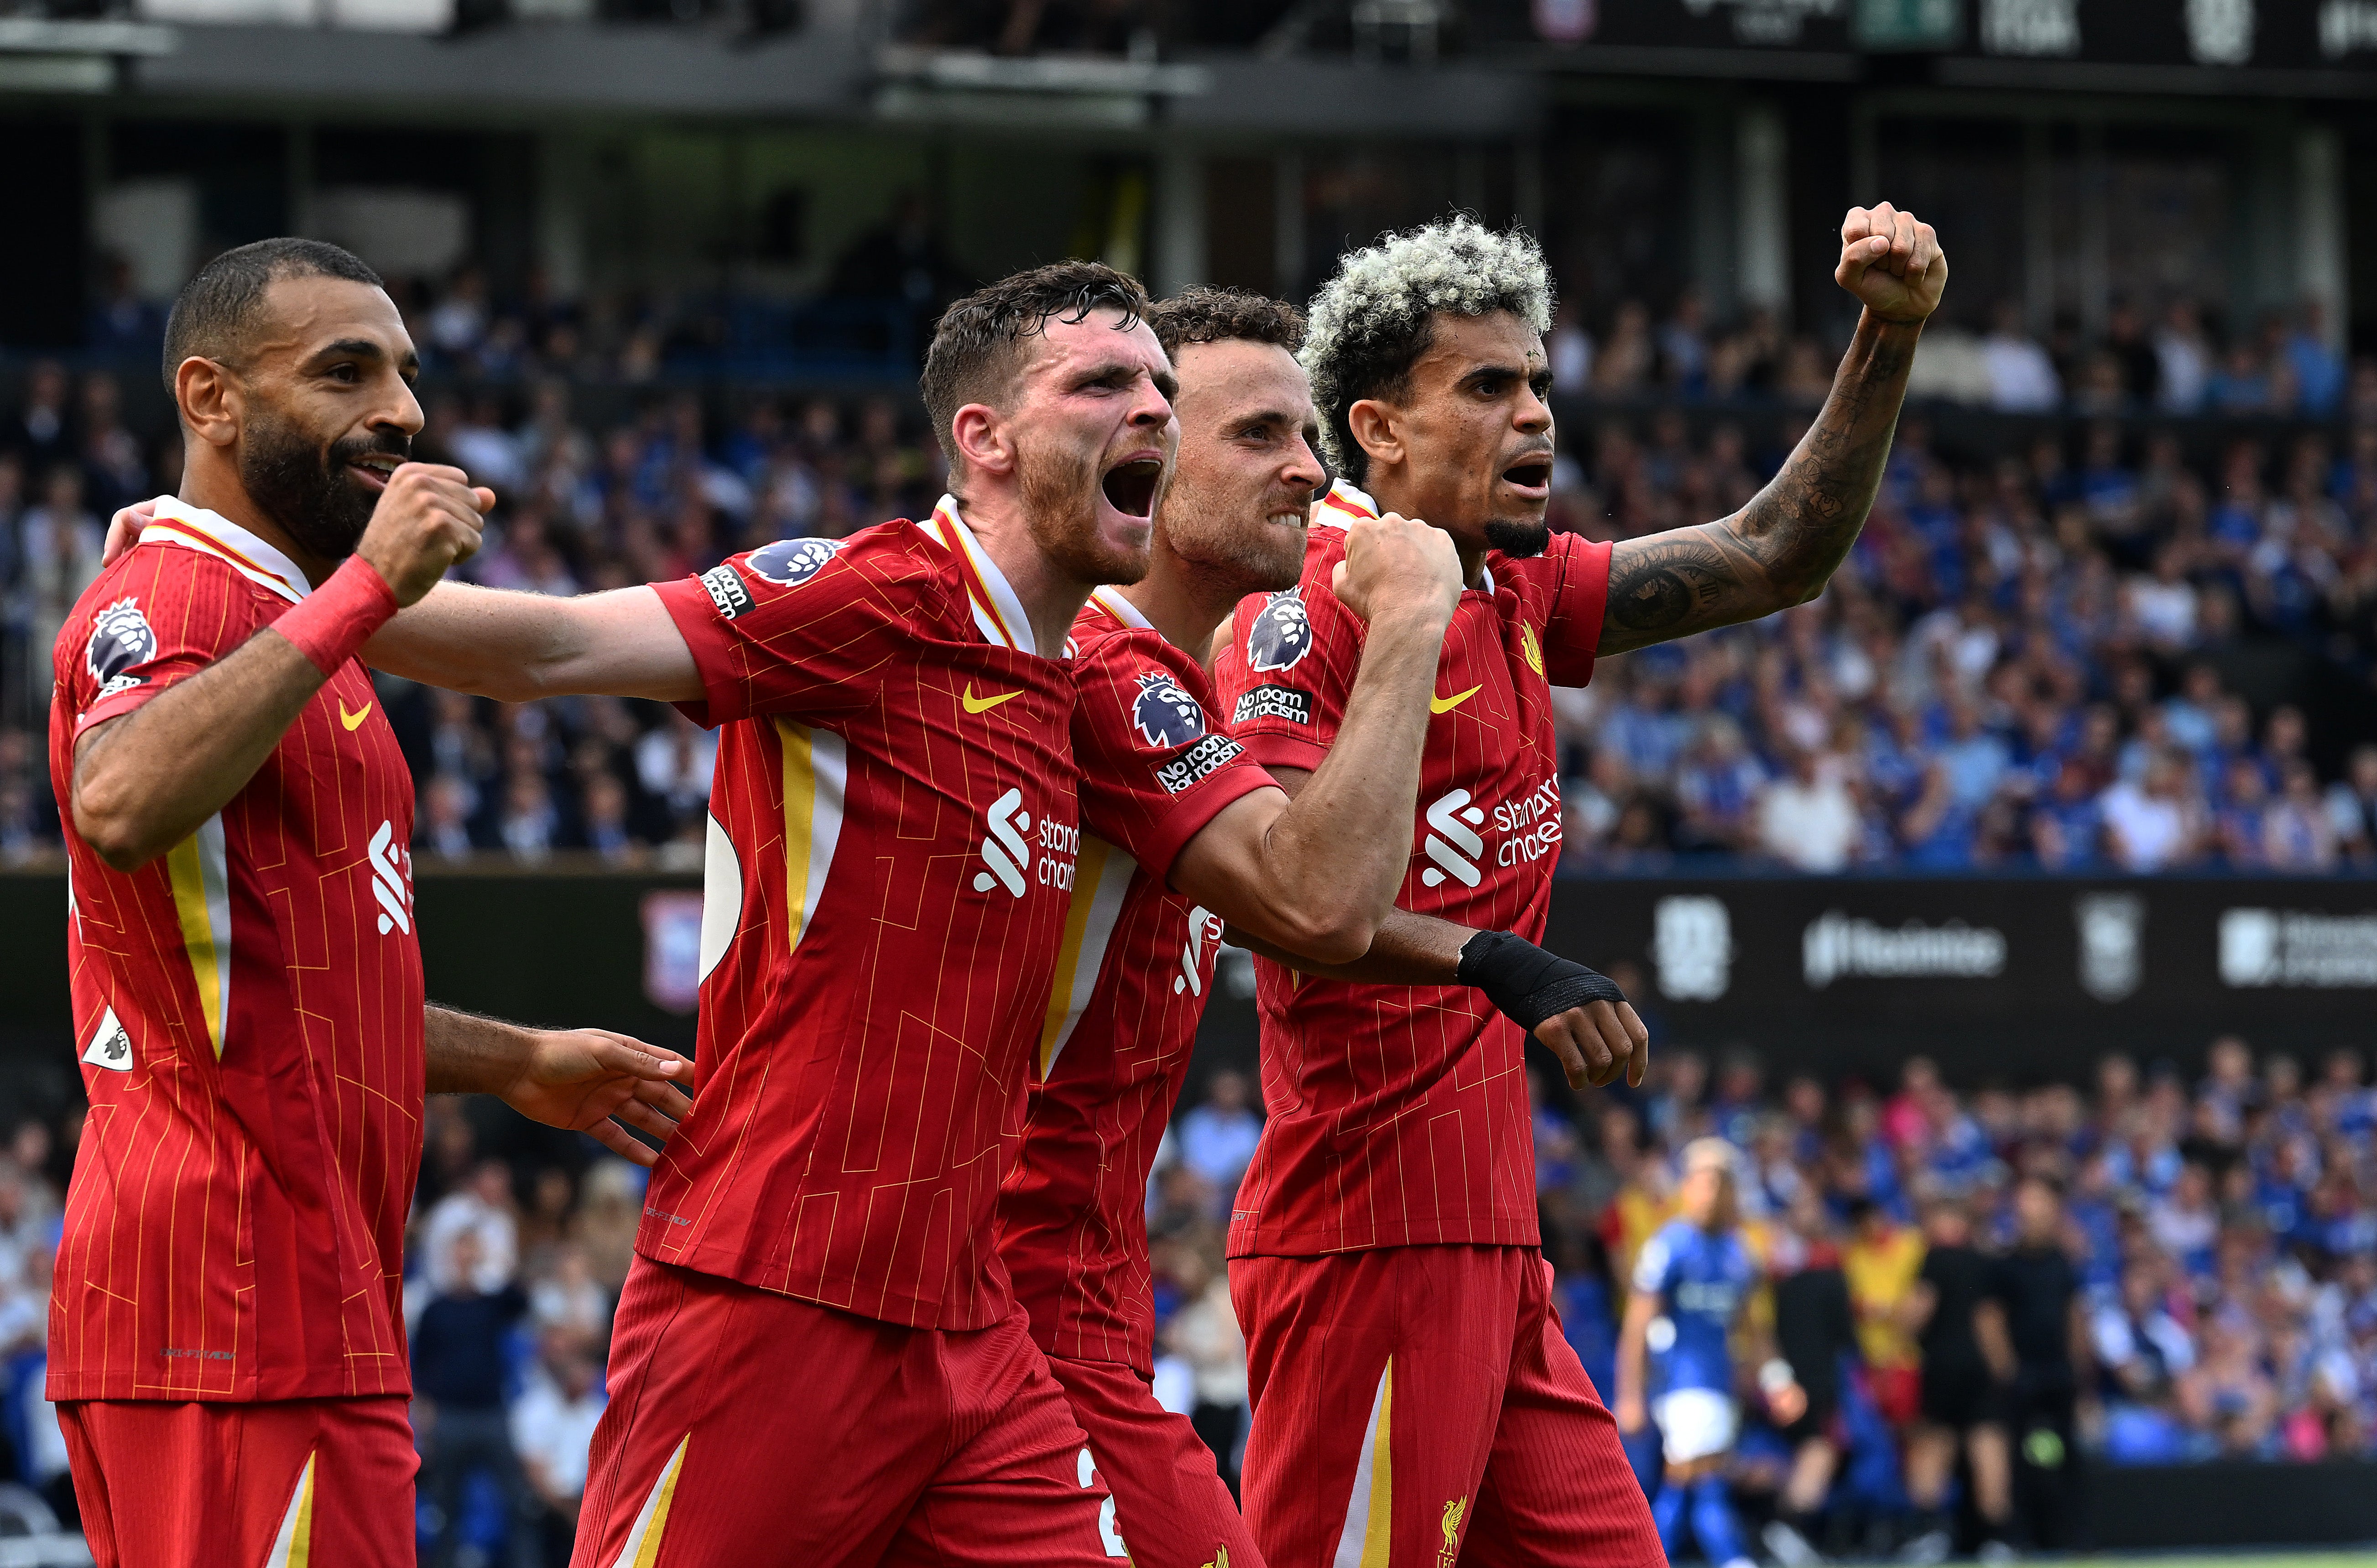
column 590, row 1081
column 1631, row 1413
column 1788, row 1403
column 124, row 529
column 428, row 518
column 1395, row 565
column 1596, row 1042
column 1893, row 263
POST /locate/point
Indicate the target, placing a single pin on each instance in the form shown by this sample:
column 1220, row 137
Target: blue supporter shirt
column 1702, row 1281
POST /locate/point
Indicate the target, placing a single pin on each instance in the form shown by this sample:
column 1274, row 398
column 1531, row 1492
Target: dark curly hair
column 1202, row 315
column 974, row 355
column 1373, row 320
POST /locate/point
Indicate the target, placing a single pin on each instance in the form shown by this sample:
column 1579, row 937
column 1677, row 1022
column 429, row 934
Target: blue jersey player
column 1691, row 1281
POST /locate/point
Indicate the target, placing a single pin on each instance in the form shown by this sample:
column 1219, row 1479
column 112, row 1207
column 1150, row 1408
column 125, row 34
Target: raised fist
column 428, row 518
column 1394, row 564
column 1893, row 263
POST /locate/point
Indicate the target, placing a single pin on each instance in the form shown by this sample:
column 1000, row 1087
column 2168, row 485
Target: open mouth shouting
column 1531, row 476
column 1131, row 485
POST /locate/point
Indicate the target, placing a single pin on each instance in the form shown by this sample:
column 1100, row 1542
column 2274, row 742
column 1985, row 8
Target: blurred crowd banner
column 2025, row 979
column 2202, row 37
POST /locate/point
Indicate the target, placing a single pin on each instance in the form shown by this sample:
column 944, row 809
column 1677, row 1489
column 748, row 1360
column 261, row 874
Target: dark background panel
column 571, row 950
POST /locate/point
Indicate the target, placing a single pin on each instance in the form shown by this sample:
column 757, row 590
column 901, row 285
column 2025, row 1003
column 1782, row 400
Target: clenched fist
column 1395, row 565
column 1893, row 263
column 428, row 518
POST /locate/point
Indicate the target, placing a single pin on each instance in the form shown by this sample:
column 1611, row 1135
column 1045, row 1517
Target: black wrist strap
column 1526, row 984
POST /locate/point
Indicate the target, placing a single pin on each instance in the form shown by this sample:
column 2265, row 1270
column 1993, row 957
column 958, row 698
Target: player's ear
column 1376, row 431
column 983, row 438
column 209, row 396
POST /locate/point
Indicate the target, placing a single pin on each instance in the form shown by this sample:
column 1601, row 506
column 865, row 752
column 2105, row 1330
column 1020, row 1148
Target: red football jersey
column 247, row 1009
column 891, row 848
column 1130, row 984
column 1399, row 1113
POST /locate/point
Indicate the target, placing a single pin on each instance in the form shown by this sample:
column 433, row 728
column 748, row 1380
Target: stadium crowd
column 2218, row 1237
column 2030, row 659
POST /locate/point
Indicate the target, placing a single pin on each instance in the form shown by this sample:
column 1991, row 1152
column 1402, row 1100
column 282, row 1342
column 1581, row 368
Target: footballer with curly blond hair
column 1415, row 1399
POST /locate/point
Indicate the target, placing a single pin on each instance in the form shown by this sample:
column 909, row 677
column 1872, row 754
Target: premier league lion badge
column 121, row 642
column 1167, row 716
column 788, row 562
column 1282, row 634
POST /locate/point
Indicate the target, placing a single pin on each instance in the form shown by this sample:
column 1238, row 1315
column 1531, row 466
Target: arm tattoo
column 1665, row 581
column 1782, row 548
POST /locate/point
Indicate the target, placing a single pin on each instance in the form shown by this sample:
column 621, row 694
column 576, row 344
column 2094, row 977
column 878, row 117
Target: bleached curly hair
column 1370, row 323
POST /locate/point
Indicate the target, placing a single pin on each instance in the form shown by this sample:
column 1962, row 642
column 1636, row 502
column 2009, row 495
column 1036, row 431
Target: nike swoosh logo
column 974, row 704
column 1447, row 704
column 351, row 720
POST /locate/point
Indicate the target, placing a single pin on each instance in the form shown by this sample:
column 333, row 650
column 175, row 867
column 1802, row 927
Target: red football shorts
column 747, row 1429
column 1415, row 1406
column 289, row 1483
column 1170, row 1505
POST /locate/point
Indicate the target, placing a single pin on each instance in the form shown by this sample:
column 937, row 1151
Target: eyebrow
column 1166, row 382
column 1490, row 372
column 1245, row 423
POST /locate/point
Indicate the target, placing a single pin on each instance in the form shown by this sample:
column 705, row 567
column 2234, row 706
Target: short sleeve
column 1578, row 577
column 1651, row 1266
column 799, row 627
column 1155, row 768
column 1286, row 676
column 159, row 618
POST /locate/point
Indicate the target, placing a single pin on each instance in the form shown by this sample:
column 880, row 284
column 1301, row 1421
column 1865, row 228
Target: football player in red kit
column 226, row 1326
column 1414, row 1400
column 1144, row 933
column 892, row 867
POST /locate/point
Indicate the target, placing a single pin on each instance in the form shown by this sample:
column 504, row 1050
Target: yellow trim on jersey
column 1370, row 1511
column 292, row 1547
column 816, row 772
column 643, row 1548
column 997, row 609
column 199, row 869
column 175, row 522
column 1101, row 877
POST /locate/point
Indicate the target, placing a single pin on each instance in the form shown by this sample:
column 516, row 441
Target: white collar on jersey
column 1002, row 619
column 1343, row 497
column 1121, row 609
column 175, row 522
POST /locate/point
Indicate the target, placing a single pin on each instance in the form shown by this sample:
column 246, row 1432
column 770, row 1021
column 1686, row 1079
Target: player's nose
column 402, row 411
column 1533, row 413
column 1304, row 469
column 1150, row 410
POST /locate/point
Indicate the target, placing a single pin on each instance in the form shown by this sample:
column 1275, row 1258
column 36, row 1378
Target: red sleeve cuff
column 1285, row 751
column 123, row 702
column 690, row 605
column 1192, row 816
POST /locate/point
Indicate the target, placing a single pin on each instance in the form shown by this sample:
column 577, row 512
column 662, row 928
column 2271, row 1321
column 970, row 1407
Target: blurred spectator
column 481, row 1206
column 2033, row 1333
column 1882, row 1262
column 458, row 1377
column 1218, row 1138
column 2183, row 355
column 2021, row 377
column 1961, row 1409
column 1807, row 819
column 552, row 1432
